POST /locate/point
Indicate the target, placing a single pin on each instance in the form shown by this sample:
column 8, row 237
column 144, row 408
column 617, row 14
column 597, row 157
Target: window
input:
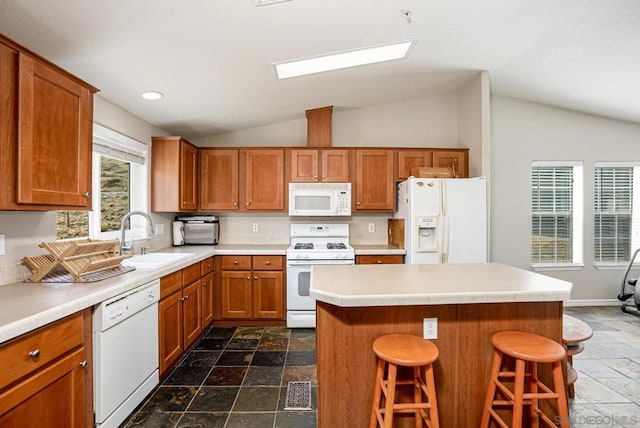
column 119, row 186
column 615, row 215
column 556, row 214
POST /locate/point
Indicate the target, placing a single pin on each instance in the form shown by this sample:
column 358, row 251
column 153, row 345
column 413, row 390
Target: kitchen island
column 356, row 304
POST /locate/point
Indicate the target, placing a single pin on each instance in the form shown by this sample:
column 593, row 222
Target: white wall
column 424, row 122
column 523, row 132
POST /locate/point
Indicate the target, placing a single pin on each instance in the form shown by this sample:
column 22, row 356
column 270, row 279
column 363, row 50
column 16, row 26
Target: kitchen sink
column 154, row 260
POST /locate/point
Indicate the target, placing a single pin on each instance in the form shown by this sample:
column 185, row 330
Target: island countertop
column 432, row 284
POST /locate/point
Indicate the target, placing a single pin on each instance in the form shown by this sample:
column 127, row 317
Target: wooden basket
column 79, row 258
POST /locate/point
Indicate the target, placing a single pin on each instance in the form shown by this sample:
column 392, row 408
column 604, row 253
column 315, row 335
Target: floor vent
column 298, row 396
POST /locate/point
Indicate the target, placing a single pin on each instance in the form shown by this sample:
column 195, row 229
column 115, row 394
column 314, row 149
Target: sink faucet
column 123, row 245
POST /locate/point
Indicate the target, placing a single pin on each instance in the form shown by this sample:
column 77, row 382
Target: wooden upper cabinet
column 457, row 160
column 174, row 167
column 326, row 166
column 408, row 159
column 46, row 118
column 218, row 179
column 264, row 179
column 374, row 181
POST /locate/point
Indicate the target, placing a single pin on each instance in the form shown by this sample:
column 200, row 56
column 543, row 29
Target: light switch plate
column 1, row 244
column 254, row 227
column 159, row 229
column 372, row 227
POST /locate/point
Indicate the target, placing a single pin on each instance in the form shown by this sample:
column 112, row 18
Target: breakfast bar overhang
column 356, row 304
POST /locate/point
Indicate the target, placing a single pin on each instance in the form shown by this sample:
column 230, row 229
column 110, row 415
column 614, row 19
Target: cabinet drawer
column 379, row 259
column 171, row 283
column 267, row 262
column 191, row 273
column 48, row 343
column 206, row 266
column 236, row 262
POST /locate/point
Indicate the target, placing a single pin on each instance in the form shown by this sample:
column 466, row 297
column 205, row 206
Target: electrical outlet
column 159, row 229
column 430, row 328
column 254, row 227
column 372, row 227
column 1, row 244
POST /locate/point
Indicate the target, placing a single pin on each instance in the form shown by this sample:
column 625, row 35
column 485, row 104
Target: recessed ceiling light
column 266, row 2
column 346, row 59
column 152, row 95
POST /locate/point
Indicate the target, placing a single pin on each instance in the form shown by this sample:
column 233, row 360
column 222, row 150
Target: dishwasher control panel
column 118, row 308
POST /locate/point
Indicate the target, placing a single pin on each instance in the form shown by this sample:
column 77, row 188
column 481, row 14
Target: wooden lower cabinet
column 55, row 387
column 184, row 311
column 382, row 259
column 251, row 288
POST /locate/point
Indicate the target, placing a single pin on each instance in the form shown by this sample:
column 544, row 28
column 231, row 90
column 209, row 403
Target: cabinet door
column 171, row 345
column 335, row 166
column 218, row 179
column 412, row 159
column 54, row 137
column 304, row 166
column 264, row 187
column 207, row 300
column 383, row 259
column 53, row 395
column 236, row 294
column 456, row 160
column 188, row 177
column 268, row 295
column 192, row 313
column 375, row 185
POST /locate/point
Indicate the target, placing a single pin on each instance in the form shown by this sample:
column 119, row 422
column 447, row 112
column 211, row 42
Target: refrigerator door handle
column 445, row 246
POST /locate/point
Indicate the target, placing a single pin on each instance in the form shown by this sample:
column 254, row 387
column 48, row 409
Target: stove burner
column 303, row 246
column 336, row 246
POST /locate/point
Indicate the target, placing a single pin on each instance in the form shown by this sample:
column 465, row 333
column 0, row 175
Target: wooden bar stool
column 404, row 350
column 526, row 349
column 574, row 332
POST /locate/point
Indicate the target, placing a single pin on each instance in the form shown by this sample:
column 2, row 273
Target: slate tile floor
column 237, row 377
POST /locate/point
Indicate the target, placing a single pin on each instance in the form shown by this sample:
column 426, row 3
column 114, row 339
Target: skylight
column 346, row 59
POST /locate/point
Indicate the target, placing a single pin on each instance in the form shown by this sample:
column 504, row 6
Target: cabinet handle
column 267, row 263
column 186, row 297
column 208, row 265
column 86, row 195
column 35, row 354
column 255, row 278
column 204, row 284
column 324, row 176
column 235, row 204
column 358, row 203
column 235, row 262
column 184, row 202
column 248, row 278
column 379, row 262
column 247, row 203
column 83, row 364
column 315, row 176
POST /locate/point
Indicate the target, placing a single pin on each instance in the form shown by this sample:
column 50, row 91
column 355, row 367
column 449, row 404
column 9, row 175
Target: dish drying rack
column 78, row 257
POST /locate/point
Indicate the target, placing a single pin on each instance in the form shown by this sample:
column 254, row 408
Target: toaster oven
column 196, row 230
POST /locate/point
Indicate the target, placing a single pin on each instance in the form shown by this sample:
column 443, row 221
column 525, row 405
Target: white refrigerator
column 445, row 220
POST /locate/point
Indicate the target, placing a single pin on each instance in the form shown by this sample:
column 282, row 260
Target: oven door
column 299, row 281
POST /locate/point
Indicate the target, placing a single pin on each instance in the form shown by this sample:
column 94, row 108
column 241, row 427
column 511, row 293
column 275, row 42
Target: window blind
column 552, row 214
column 118, row 146
column 613, row 213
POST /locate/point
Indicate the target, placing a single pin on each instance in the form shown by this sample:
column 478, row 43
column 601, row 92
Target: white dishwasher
column 125, row 352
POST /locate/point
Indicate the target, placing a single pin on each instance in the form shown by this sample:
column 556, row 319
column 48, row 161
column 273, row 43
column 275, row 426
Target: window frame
column 635, row 213
column 577, row 230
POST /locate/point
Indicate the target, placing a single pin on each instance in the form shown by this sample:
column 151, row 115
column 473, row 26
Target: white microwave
column 320, row 199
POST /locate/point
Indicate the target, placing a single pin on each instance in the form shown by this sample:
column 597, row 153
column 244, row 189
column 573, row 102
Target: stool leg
column 433, row 402
column 558, row 382
column 391, row 395
column 417, row 395
column 533, row 388
column 491, row 389
column 377, row 394
column 572, row 391
column 518, row 392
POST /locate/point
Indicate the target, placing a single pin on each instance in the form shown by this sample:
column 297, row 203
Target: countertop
column 392, row 285
column 27, row 306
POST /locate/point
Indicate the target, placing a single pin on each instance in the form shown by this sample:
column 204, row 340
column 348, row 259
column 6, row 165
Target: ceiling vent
column 319, row 127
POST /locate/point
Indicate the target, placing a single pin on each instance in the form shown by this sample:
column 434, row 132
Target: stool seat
column 528, row 347
column 575, row 330
column 405, row 350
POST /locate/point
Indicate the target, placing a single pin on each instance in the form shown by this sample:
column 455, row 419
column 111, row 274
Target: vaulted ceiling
column 213, row 59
